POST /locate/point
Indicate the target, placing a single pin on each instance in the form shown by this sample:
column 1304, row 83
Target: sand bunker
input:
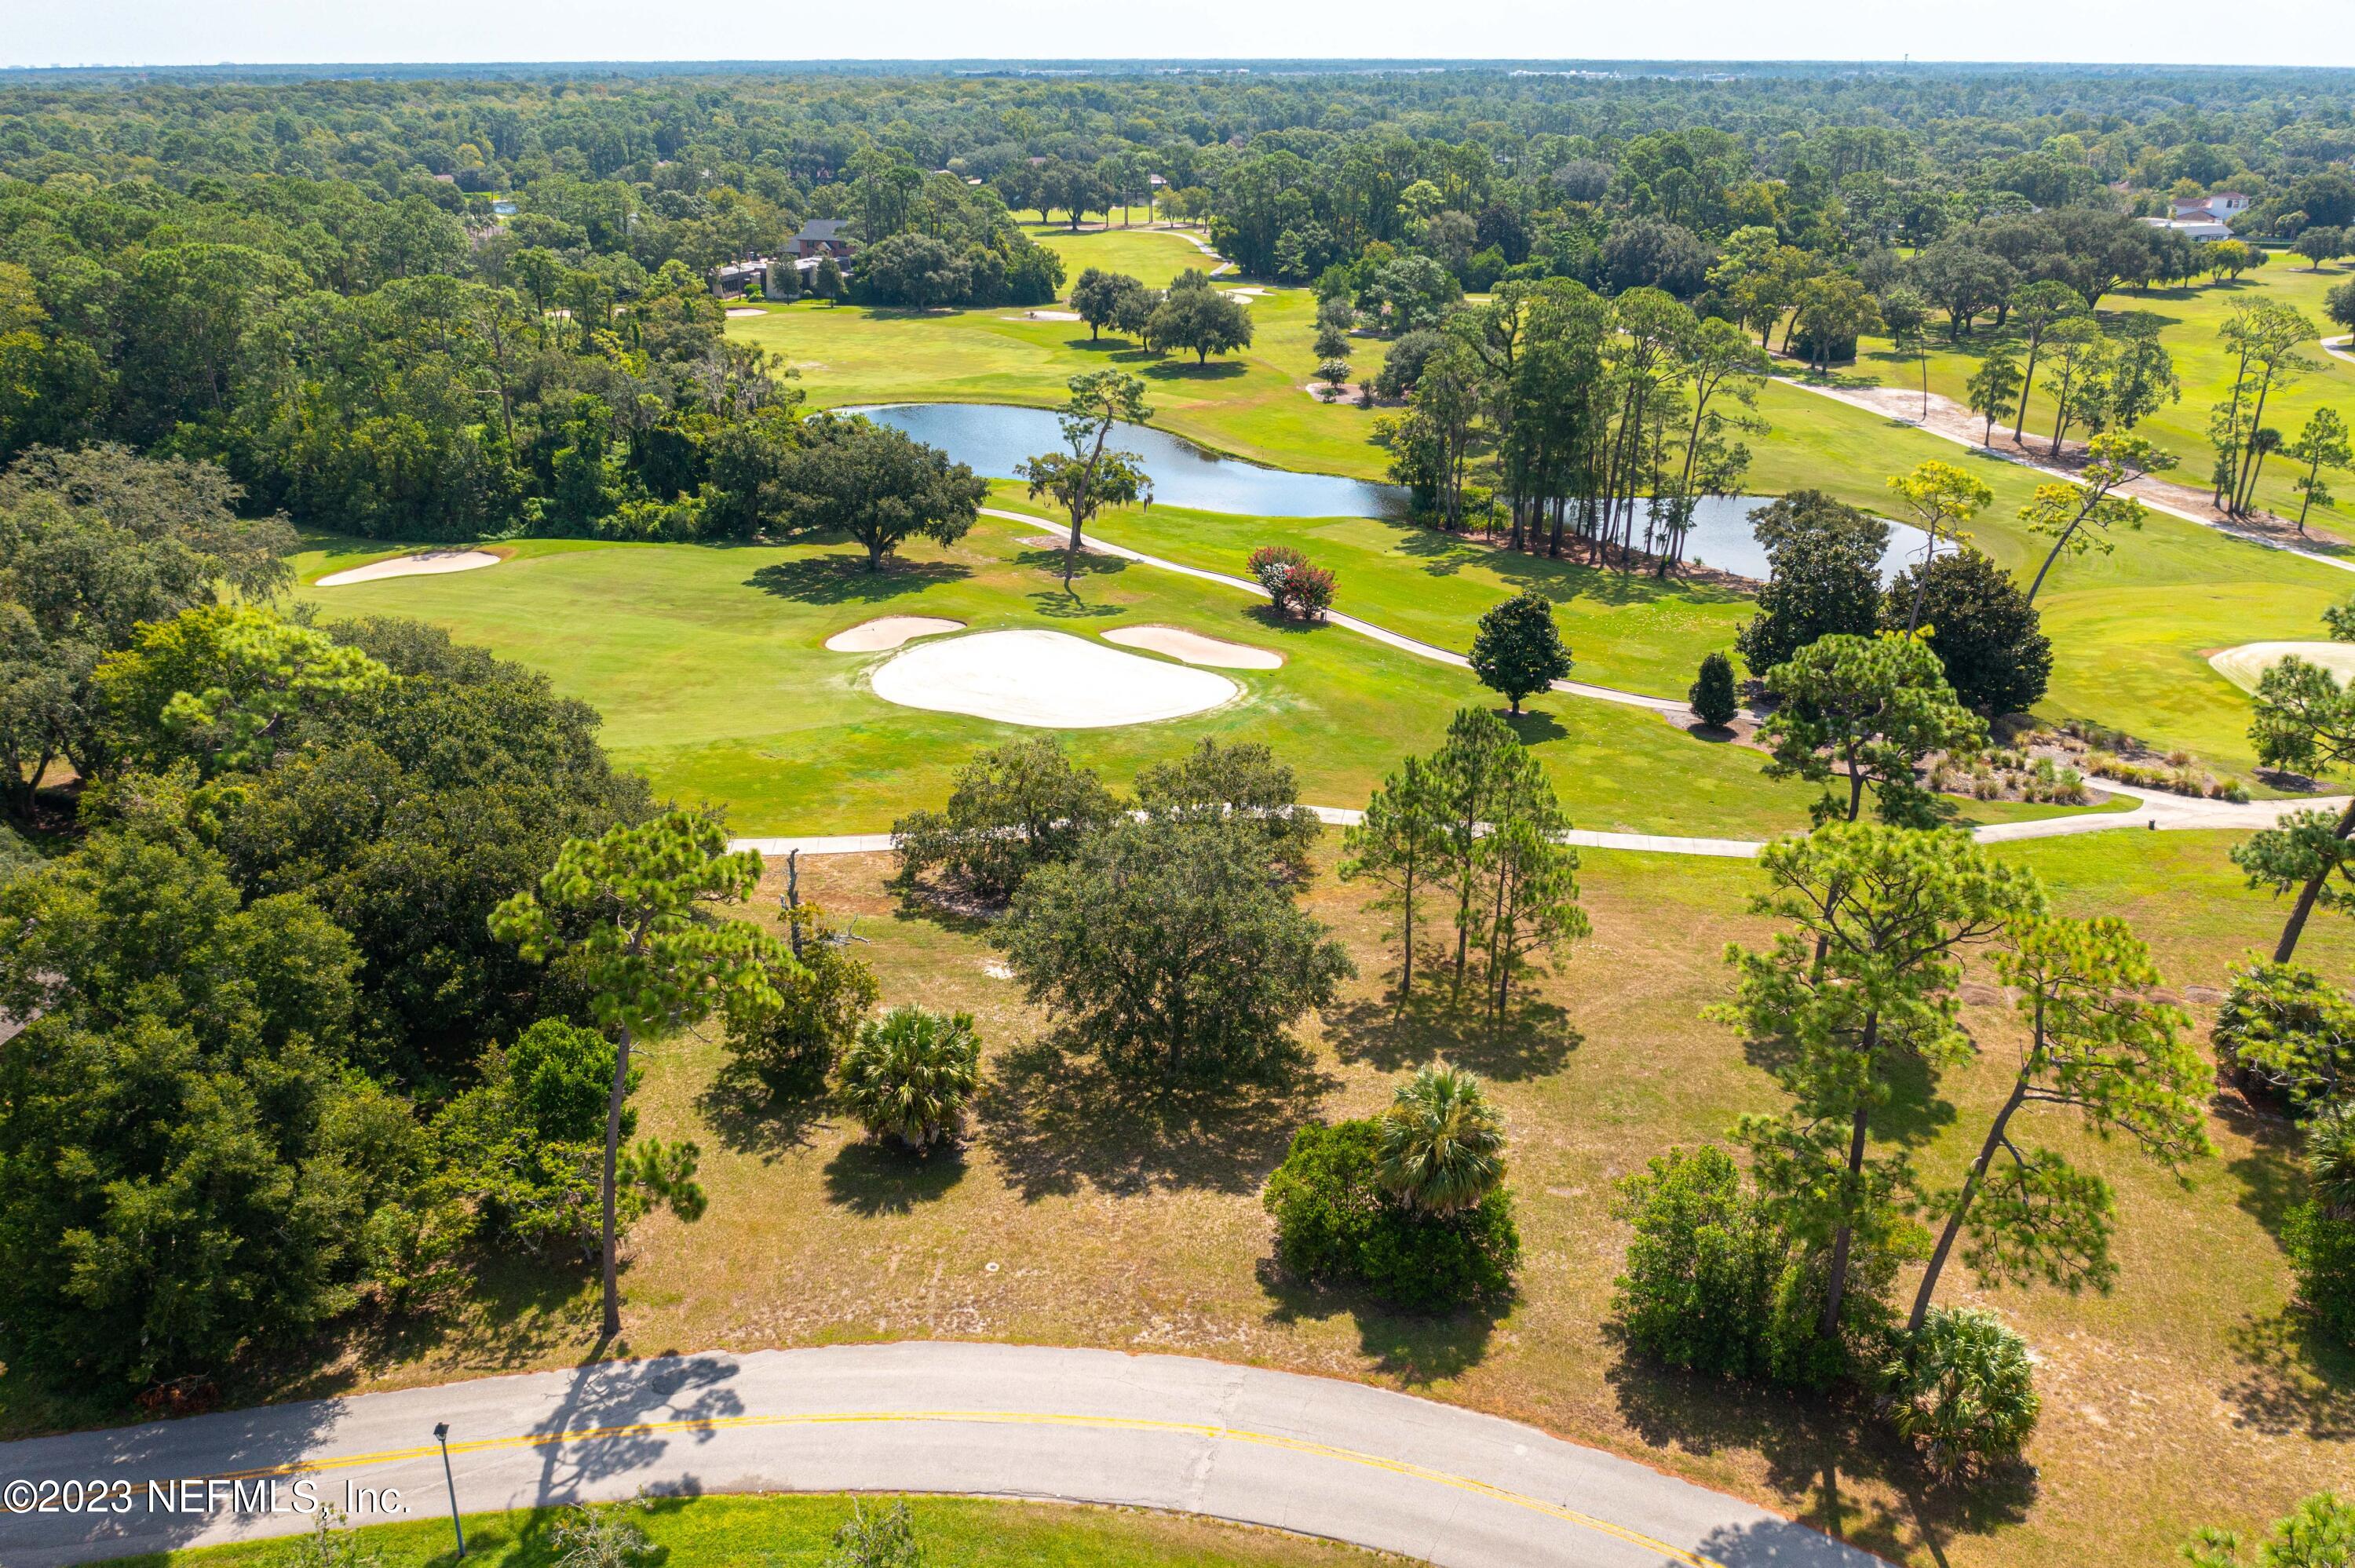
column 429, row 564
column 746, row 311
column 1194, row 647
column 1046, row 316
column 1048, row 679
column 874, row 636
column 2245, row 664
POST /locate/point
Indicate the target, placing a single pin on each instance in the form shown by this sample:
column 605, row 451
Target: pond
column 992, row 438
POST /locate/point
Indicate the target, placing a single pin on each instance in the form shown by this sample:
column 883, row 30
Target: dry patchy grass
column 1081, row 1214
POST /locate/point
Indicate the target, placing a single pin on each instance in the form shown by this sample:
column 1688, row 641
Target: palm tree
column 2331, row 1160
column 910, row 1073
column 1442, row 1145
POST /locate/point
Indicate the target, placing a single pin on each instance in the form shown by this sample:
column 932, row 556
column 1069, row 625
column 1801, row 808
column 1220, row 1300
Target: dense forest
column 306, row 281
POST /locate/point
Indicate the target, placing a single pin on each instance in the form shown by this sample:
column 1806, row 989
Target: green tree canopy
column 877, row 484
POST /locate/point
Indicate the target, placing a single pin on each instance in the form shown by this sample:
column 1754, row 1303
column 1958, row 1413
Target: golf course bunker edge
column 1048, row 680
column 2246, row 664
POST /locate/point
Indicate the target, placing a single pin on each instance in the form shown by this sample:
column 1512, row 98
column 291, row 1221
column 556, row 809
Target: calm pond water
column 992, row 438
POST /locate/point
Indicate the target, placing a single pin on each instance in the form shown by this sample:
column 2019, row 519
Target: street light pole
column 441, row 1435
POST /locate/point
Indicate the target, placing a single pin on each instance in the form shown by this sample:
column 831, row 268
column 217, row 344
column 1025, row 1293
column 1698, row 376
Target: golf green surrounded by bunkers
column 708, row 662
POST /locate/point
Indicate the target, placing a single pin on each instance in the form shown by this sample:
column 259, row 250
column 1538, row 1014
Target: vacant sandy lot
column 1049, row 679
column 890, row 632
column 2245, row 665
column 1194, row 647
column 426, row 564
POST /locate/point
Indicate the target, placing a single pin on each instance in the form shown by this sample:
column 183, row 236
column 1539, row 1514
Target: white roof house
column 2202, row 228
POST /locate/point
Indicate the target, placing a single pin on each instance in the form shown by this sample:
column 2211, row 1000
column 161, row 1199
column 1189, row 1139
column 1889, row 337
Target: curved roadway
column 1311, row 1455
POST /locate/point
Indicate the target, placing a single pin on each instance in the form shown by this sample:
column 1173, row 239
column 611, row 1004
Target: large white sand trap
column 1046, row 316
column 426, row 564
column 1049, row 679
column 2245, row 665
column 1194, row 647
column 739, row 311
column 874, row 636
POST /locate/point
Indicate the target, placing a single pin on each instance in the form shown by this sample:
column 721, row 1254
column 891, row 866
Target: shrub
column 1963, row 1386
column 821, row 1014
column 1713, row 1285
column 883, row 1538
column 594, row 1535
column 2287, row 1028
column 2321, row 1248
column 2320, row 1533
column 910, row 1074
column 1711, row 696
column 1293, row 585
column 1702, row 1267
column 1334, row 1224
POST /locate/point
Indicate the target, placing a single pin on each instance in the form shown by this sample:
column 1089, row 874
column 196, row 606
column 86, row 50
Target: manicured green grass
column 1632, row 632
column 791, row 1531
column 2191, row 316
column 1250, row 404
column 708, row 666
column 2131, row 631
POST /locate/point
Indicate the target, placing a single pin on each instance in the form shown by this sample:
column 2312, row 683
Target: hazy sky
column 182, row 32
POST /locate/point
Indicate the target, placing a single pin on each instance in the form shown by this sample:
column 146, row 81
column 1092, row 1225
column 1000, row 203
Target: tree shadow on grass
column 1533, row 726
column 1417, row 1349
column 763, row 1115
column 1058, row 1121
column 1090, row 563
column 2272, row 1175
column 2294, row 1381
column 1534, row 1039
column 845, row 579
column 1268, row 618
column 872, row 1177
column 1055, row 604
column 1216, row 370
column 1816, row 1446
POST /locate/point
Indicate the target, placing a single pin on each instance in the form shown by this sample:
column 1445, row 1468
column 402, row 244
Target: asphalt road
column 1316, row 1456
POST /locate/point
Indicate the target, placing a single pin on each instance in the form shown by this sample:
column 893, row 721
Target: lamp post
column 441, row 1435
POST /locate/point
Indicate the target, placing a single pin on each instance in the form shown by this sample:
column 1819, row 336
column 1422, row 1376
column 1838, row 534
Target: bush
column 1711, row 696
column 1963, row 1386
column 1014, row 808
column 1702, row 1267
column 911, row 1075
column 1293, row 585
column 820, row 1016
column 883, row 1538
column 1713, row 1285
column 1443, row 1147
column 1518, row 649
column 1334, row 1225
column 2321, row 1247
column 2288, row 1029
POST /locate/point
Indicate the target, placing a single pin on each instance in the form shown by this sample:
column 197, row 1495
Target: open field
column 1133, row 1221
column 795, row 1531
column 2131, row 631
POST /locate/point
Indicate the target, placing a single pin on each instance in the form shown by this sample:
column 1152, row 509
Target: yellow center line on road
column 999, row 1418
